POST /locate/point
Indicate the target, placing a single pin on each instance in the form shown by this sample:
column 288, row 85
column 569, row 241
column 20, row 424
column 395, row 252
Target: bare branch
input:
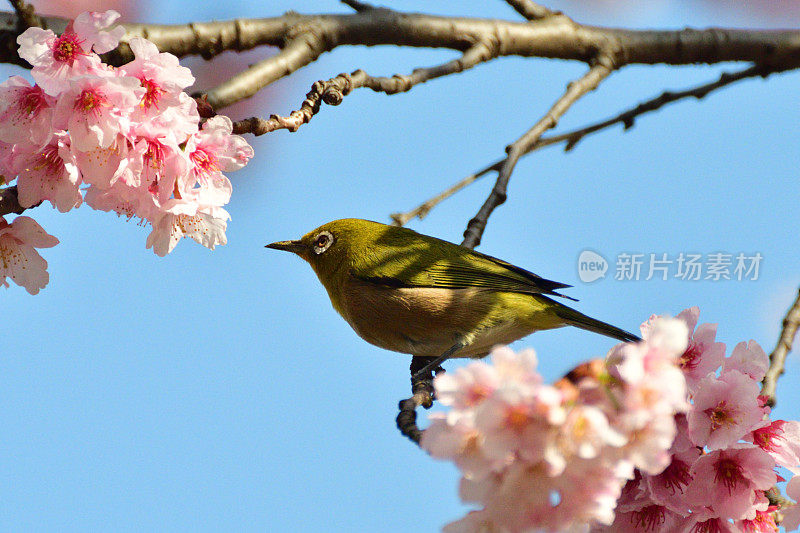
column 575, row 90
column 8, row 201
column 331, row 92
column 627, row 118
column 552, row 37
column 480, row 52
column 26, row 15
column 777, row 359
column 298, row 53
column 531, row 10
column 334, row 90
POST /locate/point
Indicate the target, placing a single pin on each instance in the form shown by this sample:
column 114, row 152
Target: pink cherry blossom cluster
column 124, row 139
column 539, row 456
column 726, row 451
column 664, row 435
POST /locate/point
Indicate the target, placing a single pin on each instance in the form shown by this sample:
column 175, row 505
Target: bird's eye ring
column 322, row 242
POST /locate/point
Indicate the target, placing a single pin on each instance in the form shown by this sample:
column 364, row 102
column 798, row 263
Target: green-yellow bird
column 420, row 295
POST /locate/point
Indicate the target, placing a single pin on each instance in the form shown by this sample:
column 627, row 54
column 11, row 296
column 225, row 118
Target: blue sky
column 212, row 391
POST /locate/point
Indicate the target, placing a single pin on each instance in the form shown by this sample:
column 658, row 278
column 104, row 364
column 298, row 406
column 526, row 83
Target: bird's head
column 331, row 248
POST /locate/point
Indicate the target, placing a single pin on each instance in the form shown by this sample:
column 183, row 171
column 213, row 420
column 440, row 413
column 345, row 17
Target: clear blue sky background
column 214, row 391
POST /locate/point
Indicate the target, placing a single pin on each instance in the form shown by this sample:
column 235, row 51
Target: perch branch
column 777, row 359
column 422, row 396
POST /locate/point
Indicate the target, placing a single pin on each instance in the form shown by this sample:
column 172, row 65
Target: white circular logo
column 591, row 266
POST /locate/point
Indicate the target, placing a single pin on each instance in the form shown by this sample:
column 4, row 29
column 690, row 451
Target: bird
column 412, row 293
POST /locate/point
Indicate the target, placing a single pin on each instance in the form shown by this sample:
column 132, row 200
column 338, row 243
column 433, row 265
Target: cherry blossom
column 95, row 109
column 702, row 354
column 764, row 522
column 48, row 173
column 791, row 515
column 179, row 218
column 26, row 112
column 669, row 487
column 748, row 358
column 725, row 409
column 160, row 74
column 780, row 439
column 539, row 456
column 57, row 58
column 91, row 27
column 728, row 480
column 19, row 259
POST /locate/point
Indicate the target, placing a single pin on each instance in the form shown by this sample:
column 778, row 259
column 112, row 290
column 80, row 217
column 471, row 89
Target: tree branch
column 777, row 359
column 357, row 6
column 8, row 201
column 552, row 37
column 575, row 90
column 331, row 92
column 26, row 15
column 531, row 10
column 334, row 90
column 423, row 394
column 298, row 53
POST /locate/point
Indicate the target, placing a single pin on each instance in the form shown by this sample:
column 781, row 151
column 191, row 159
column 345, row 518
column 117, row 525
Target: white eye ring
column 322, row 242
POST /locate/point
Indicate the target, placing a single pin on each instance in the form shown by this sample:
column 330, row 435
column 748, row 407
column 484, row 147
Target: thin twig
column 401, row 219
column 575, row 90
column 478, row 53
column 627, row 118
column 357, row 6
column 777, row 359
column 26, row 15
column 333, row 91
column 531, row 10
column 572, row 138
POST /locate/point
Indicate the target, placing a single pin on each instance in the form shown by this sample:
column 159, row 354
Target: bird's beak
column 289, row 246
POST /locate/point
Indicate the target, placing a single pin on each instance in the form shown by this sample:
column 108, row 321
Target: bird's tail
column 579, row 320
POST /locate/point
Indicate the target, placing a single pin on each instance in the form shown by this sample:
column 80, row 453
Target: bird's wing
column 469, row 269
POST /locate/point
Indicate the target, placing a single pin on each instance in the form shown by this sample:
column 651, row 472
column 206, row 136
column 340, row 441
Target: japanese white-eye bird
column 411, row 293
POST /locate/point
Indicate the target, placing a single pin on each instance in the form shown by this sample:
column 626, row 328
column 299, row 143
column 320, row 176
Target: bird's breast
column 426, row 321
